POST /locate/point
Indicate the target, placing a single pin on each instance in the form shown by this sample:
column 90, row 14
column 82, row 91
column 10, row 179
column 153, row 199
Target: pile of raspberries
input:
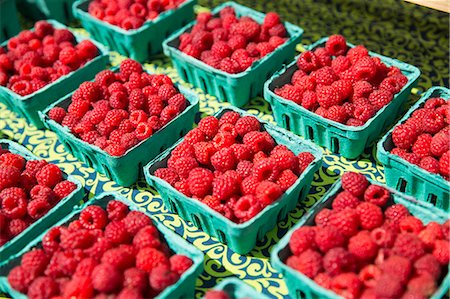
column 130, row 14
column 344, row 85
column 104, row 252
column 230, row 43
column 33, row 59
column 233, row 166
column 28, row 190
column 367, row 247
column 119, row 110
column 424, row 139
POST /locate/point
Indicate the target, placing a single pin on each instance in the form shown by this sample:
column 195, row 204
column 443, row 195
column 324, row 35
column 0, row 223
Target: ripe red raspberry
column 129, row 66
column 149, row 258
column 365, row 69
column 433, row 122
column 209, row 125
column 180, row 263
column 224, row 139
column 224, row 187
column 325, row 76
column 64, row 188
column 200, row 181
column 267, row 192
column 441, row 252
column 421, row 146
column 304, row 160
column 116, row 232
column 424, row 285
column 327, row 96
column 346, row 285
column 247, row 124
column 9, row 176
column 444, row 164
column 411, row 224
column 383, row 236
column 14, row 204
column 356, row 53
column 328, row 237
column 428, row 264
column 230, row 65
column 51, row 240
column 49, row 175
column 266, row 169
column 135, row 221
column 308, row 62
column 118, row 257
column 105, row 278
column 161, row 277
column 302, row 239
column 86, row 266
column 10, row 159
column 223, row 160
column 430, row 234
column 93, row 217
column 337, row 113
column 248, row 185
column 323, row 56
column 35, row 261
column 364, row 112
column 377, row 195
column 286, row 179
column 19, row 279
column 440, row 143
column 116, row 210
column 322, row 218
column 370, row 216
column 409, row 246
column 135, row 278
column 380, row 98
column 81, row 239
column 147, row 236
column 346, row 221
column 396, row 213
column 369, row 276
column 57, row 114
column 38, row 208
column 308, row 262
column 397, row 266
column 290, row 92
column 246, row 208
column 221, row 49
column 203, row 152
column 97, row 250
column 43, row 287
column 229, row 117
column 183, row 165
column 336, row 45
column 345, row 200
column 362, row 246
column 338, row 260
column 167, row 174
column 388, row 286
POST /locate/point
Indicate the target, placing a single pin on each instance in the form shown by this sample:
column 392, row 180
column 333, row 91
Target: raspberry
column 38, row 208
column 364, row 112
column 223, row 160
column 384, row 237
column 327, row 96
column 338, row 260
column 14, row 203
column 345, row 200
column 398, row 267
column 370, row 216
column 9, row 159
column 356, row 53
column 293, row 93
column 148, row 236
column 369, row 276
column 19, row 279
column 105, row 278
column 323, row 279
column 81, row 238
column 441, row 251
column 246, row 208
column 51, row 240
column 337, row 114
column 209, row 125
column 230, row 65
column 35, row 261
column 62, row 264
column 308, row 62
column 286, row 179
column 64, row 188
column 229, row 117
column 439, row 144
column 97, row 250
column 183, row 166
column 430, row 234
column 388, row 286
column 224, row 187
column 304, row 160
column 346, row 221
column 116, row 232
column 391, row 84
column 428, row 264
column 421, row 146
column 308, row 262
column 336, row 45
column 377, row 195
column 161, row 277
column 9, row 175
column 267, row 192
column 328, row 237
column 380, row 98
column 396, row 213
column 302, row 239
column 433, row 122
column 362, row 246
column 129, row 66
column 346, row 285
column 93, row 217
column 180, row 263
column 200, row 181
column 149, row 258
column 364, row 70
column 266, row 169
column 120, row 258
column 248, row 185
column 43, row 287
column 411, row 224
column 223, row 139
column 409, row 246
column 135, row 221
column 424, row 285
column 167, row 174
column 135, row 278
column 322, row 218
column 85, row 267
column 444, row 164
column 49, row 175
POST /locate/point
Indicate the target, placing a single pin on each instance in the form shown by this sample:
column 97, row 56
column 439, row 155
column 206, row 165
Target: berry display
column 231, row 43
column 233, row 165
column 34, row 59
column 131, row 14
column 424, row 138
column 28, row 190
column 342, row 84
column 370, row 247
column 119, row 110
column 96, row 256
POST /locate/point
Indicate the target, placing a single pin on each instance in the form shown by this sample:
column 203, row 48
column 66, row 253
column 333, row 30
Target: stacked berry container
column 9, row 23
column 235, row 88
column 374, row 277
column 139, row 43
column 233, row 288
column 84, row 286
column 349, row 141
column 121, row 165
column 240, row 237
column 407, row 176
column 60, row 209
column 28, row 105
column 59, row 10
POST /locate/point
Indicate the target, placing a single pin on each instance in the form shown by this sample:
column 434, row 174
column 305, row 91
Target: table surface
column 411, row 33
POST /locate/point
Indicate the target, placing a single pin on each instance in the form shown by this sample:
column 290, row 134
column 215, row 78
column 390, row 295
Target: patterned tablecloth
column 393, row 28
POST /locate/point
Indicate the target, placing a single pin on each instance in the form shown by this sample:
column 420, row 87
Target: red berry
column 309, row 263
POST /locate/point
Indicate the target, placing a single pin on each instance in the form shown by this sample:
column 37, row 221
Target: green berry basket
column 60, row 10
column 29, row 105
column 302, row 287
column 61, row 209
column 239, row 88
column 124, row 170
column 9, row 21
column 345, row 140
column 407, row 177
column 237, row 289
column 138, row 44
column 183, row 288
column 241, row 238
